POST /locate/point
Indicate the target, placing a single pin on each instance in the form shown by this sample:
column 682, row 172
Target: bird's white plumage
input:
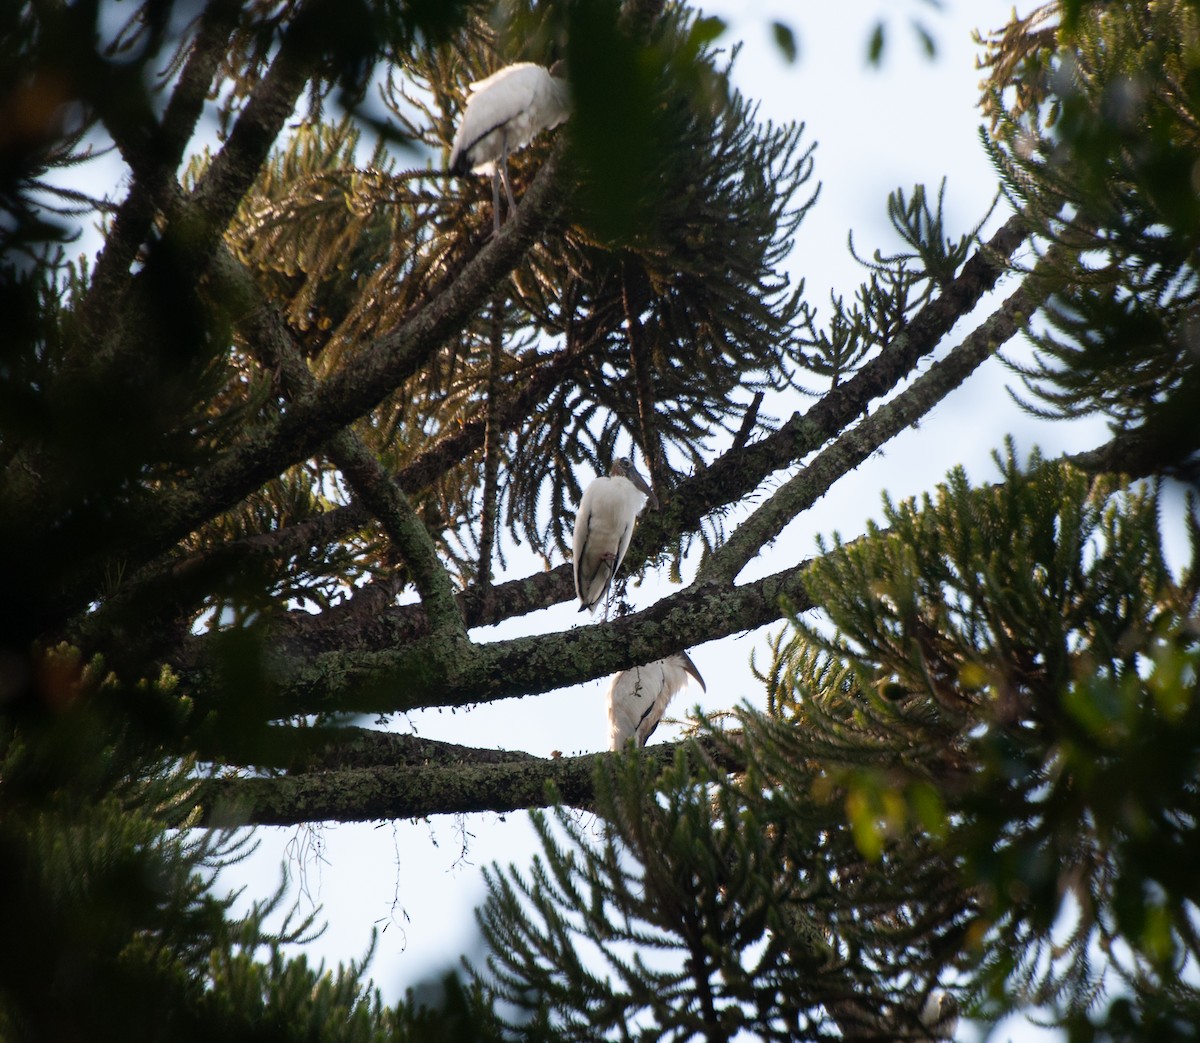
column 503, row 113
column 638, row 697
column 604, row 527
column 940, row 1014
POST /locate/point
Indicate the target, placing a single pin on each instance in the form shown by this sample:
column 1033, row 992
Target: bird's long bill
column 634, row 476
column 690, row 667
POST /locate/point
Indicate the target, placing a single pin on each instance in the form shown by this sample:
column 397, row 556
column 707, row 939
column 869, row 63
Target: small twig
column 748, row 421
column 491, row 453
column 644, row 386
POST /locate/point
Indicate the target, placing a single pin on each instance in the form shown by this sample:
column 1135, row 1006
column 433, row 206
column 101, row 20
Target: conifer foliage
column 266, row 459
column 961, row 768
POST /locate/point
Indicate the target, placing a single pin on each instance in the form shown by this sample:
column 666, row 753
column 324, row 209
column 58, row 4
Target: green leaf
column 785, row 40
column 875, row 46
column 706, row 30
column 927, row 808
column 928, row 43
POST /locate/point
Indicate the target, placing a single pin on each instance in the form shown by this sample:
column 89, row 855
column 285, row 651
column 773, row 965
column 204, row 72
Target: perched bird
column 503, row 114
column 940, row 1014
column 638, row 698
column 603, row 528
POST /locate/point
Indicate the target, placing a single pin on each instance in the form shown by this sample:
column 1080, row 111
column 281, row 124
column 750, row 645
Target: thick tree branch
column 329, row 749
column 364, row 795
column 373, row 485
column 151, row 528
column 154, row 163
column 370, row 626
column 857, row 444
column 639, row 360
column 370, row 794
column 399, row 679
column 1167, row 442
column 492, row 438
column 272, row 340
column 735, row 475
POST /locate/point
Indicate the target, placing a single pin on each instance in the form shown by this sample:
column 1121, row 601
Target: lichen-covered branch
column 735, row 475
column 332, row 748
column 314, row 419
column 369, row 794
column 438, row 672
column 392, row 792
column 812, row 482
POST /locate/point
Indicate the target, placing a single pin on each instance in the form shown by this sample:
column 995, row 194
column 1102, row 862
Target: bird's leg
column 496, row 200
column 512, row 203
column 611, row 559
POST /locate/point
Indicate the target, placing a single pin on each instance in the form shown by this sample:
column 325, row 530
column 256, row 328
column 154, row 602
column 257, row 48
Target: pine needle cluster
column 951, row 788
column 1094, row 130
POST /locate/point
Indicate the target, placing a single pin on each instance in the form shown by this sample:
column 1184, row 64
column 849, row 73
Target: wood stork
column 638, row 698
column 940, row 1014
column 503, row 114
column 603, row 528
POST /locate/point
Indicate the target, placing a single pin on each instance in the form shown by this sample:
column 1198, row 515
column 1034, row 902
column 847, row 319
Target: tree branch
column 432, row 673
column 152, row 527
column 370, row 794
column 644, row 385
column 857, row 444
column 320, row 748
column 490, row 498
column 153, row 163
column 735, row 475
column 273, row 343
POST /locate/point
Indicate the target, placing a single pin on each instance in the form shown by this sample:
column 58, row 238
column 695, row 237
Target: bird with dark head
column 503, row 114
column 604, row 527
column 638, row 697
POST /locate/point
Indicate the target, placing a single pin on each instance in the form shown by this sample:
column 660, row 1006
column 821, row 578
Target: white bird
column 603, row 528
column 940, row 1014
column 638, row 698
column 503, row 114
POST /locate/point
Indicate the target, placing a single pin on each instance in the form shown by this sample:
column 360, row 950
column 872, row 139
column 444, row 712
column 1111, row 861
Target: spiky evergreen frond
column 1094, row 123
column 712, row 908
column 349, row 250
column 943, row 784
column 1023, row 675
column 898, row 285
